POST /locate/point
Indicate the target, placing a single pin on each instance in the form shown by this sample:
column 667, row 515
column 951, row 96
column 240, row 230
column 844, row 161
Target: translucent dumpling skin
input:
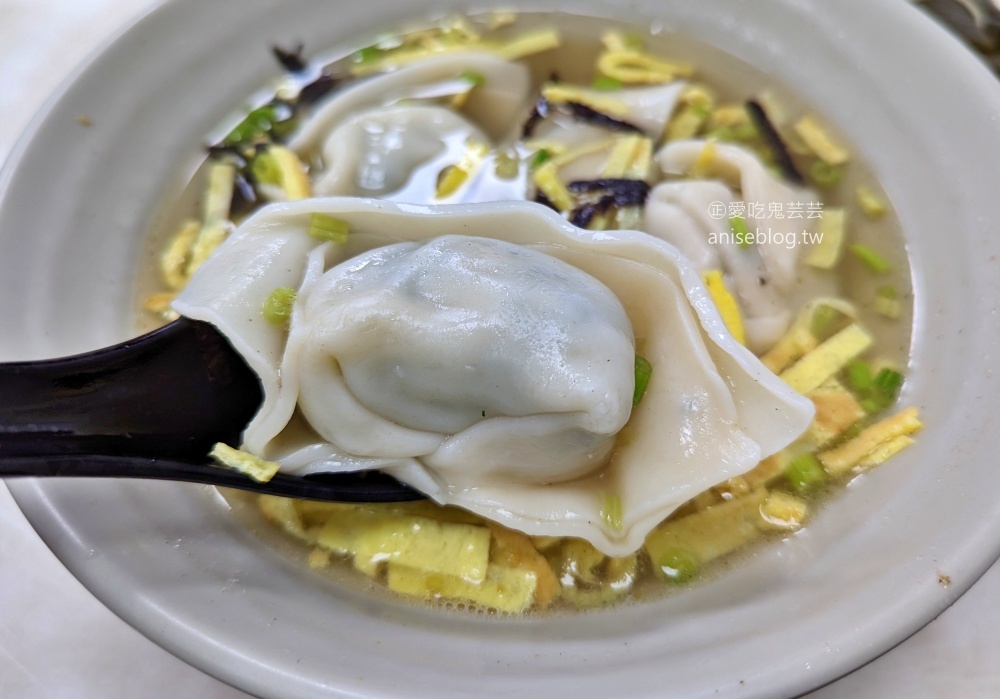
column 495, row 106
column 394, row 152
column 485, row 355
column 471, row 336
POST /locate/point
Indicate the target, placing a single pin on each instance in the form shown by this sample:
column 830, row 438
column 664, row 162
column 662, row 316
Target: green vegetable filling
column 643, row 371
column 805, row 474
column 277, row 307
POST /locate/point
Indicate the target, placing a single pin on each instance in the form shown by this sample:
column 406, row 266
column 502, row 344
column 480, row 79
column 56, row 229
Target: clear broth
column 733, row 81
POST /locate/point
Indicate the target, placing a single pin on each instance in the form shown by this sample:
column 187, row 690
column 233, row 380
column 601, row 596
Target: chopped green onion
column 859, row 376
column 888, row 292
column 604, row 82
column 265, row 169
column 741, row 232
column 507, row 166
column 888, row 308
column 611, row 511
column 871, row 405
column 679, row 565
column 805, row 474
column 853, row 431
column 324, row 227
column 826, row 320
column 888, row 382
column 721, row 133
column 887, row 302
column 283, row 128
column 367, row 55
column 870, row 258
column 700, row 110
column 643, row 371
column 474, row 79
column 776, row 172
column 273, row 118
column 825, row 175
column 254, row 124
column 871, row 204
column 633, row 41
column 743, row 132
column 878, row 393
column 277, row 306
column 734, row 132
column 540, row 157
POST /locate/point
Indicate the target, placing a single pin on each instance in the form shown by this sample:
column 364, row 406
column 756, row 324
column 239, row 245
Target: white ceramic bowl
column 171, row 560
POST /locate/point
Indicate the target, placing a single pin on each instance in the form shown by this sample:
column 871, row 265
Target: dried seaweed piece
column 614, row 192
column 540, row 198
column 582, row 112
column 539, row 111
column 583, row 215
column 245, row 196
column 221, row 150
column 318, row 88
column 292, row 60
column 624, row 192
column 773, row 140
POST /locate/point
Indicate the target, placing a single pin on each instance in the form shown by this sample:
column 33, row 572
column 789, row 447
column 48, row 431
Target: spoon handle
column 340, row 487
column 150, row 408
column 171, row 393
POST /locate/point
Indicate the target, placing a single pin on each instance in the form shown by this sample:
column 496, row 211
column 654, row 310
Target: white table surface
column 58, row 641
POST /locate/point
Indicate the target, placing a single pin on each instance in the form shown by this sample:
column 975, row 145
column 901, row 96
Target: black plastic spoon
column 151, row 408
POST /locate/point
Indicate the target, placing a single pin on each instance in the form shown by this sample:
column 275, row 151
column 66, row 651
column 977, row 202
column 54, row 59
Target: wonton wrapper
column 739, row 167
column 394, row 152
column 679, row 213
column 711, row 411
column 391, row 135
